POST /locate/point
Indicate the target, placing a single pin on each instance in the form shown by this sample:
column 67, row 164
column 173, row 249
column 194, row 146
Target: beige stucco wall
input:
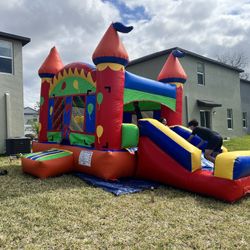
column 222, row 85
column 245, row 102
column 12, row 84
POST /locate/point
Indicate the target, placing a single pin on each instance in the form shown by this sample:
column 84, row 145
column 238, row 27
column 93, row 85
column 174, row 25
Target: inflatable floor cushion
column 48, row 163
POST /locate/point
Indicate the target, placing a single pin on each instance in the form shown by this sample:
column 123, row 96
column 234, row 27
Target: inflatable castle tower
column 47, row 71
column 173, row 73
column 110, row 58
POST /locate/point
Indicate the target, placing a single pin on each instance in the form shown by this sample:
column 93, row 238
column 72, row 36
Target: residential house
column 211, row 94
column 245, row 104
column 30, row 118
column 11, row 87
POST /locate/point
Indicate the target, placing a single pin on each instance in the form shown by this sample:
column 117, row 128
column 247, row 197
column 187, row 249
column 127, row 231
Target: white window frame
column 201, row 73
column 7, row 57
column 244, row 119
column 230, row 119
column 204, row 111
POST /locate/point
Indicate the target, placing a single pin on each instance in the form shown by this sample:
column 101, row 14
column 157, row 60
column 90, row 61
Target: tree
column 37, row 106
column 35, row 128
column 237, row 60
column 35, row 122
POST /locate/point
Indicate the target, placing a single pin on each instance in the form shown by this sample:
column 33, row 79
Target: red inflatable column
column 174, row 117
column 173, row 73
column 109, row 111
column 49, row 68
column 43, row 113
column 110, row 57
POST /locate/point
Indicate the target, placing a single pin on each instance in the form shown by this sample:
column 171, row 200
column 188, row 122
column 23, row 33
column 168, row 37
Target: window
column 205, row 118
column 244, row 119
column 77, row 114
column 29, row 122
column 200, row 74
column 6, row 57
column 229, row 118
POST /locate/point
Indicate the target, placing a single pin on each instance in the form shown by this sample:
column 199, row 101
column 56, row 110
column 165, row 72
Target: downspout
column 186, row 106
column 8, row 115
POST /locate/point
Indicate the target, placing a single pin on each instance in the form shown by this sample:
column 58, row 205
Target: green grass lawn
column 66, row 213
column 239, row 143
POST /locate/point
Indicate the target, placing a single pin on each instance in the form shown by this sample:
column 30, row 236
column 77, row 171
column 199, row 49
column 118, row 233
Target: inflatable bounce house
column 86, row 125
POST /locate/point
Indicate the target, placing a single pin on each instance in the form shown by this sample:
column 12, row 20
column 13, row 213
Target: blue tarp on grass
column 119, row 187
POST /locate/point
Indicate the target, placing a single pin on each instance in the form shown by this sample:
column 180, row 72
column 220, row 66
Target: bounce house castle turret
column 49, row 68
column 110, row 58
column 173, row 73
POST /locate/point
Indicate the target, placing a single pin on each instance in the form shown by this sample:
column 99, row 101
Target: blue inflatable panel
column 50, row 115
column 90, row 117
column 149, row 86
column 119, row 187
column 241, row 167
column 185, row 134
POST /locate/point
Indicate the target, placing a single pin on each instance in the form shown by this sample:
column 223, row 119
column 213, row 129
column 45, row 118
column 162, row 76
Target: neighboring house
column 11, row 87
column 211, row 93
column 30, row 117
column 245, row 104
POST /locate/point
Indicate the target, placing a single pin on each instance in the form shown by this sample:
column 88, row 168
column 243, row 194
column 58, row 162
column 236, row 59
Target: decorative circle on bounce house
column 75, row 84
column 51, row 110
column 64, row 85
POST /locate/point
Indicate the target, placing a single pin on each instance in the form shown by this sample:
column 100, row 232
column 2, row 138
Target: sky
column 75, row 27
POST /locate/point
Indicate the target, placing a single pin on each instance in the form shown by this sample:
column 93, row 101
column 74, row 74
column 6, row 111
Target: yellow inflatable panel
column 232, row 165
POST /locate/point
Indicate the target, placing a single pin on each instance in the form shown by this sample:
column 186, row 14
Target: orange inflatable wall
column 108, row 165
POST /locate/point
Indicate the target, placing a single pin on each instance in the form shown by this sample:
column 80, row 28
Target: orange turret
column 110, row 49
column 110, row 57
column 173, row 73
column 52, row 64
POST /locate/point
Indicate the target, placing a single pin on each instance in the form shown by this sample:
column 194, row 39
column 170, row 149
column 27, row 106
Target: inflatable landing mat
column 48, row 163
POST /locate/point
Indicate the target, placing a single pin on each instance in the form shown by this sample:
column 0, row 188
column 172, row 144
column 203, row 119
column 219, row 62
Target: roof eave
column 245, row 80
column 22, row 39
column 167, row 51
